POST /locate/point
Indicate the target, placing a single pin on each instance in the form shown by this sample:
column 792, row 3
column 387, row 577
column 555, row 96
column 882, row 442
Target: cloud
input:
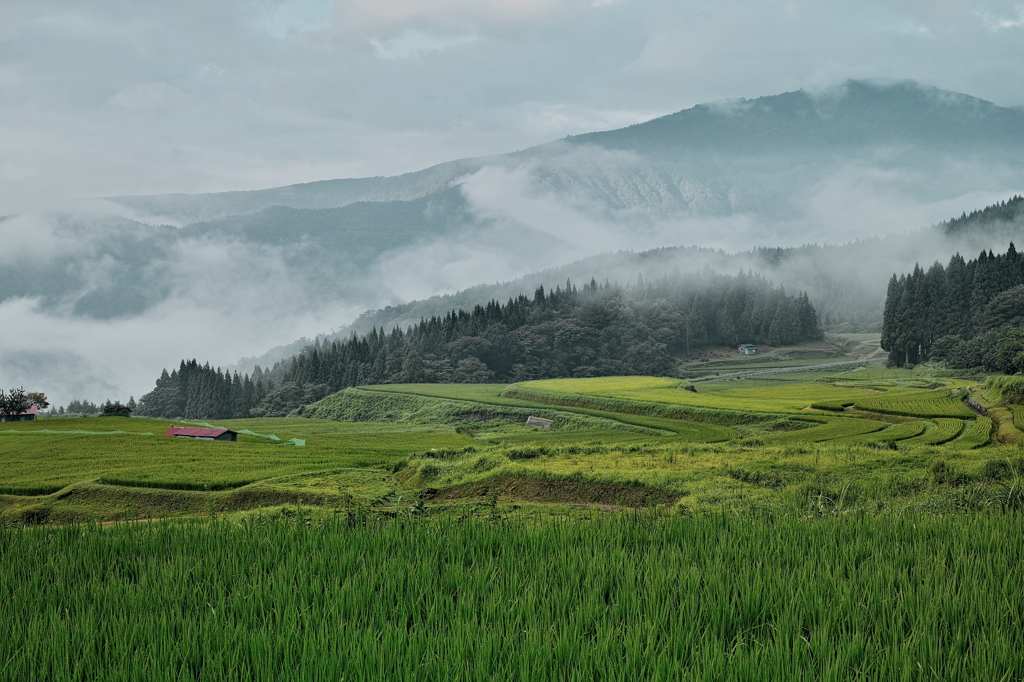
column 392, row 14
column 413, row 43
column 1001, row 23
column 149, row 97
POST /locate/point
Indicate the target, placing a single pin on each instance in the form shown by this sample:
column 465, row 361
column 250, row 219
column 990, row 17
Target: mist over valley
column 142, row 280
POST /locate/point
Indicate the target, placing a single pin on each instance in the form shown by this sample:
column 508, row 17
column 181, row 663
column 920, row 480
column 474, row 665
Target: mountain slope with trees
column 594, row 330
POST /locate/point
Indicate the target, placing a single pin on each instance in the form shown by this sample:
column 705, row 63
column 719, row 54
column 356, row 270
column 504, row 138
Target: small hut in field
column 26, row 416
column 201, row 433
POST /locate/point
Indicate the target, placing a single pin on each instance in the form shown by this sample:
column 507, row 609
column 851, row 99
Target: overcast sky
column 108, row 97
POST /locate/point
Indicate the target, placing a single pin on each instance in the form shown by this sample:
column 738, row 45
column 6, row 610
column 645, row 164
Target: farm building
column 26, row 416
column 538, row 422
column 201, row 433
column 748, row 349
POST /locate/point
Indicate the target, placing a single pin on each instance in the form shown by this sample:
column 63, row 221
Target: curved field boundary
column 833, row 406
column 683, row 429
column 1018, row 415
column 927, row 406
column 644, row 407
column 50, row 432
column 29, row 491
column 779, row 370
column 356, row 405
column 892, row 433
column 562, row 489
column 946, row 429
column 833, row 430
column 976, row 435
column 174, row 485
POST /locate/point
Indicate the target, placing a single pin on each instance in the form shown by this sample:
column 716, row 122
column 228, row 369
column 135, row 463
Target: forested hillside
column 999, row 216
column 595, row 330
column 967, row 314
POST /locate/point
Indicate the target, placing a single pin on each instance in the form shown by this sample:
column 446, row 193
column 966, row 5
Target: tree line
column 594, row 330
column 195, row 391
column 966, row 314
column 1002, row 212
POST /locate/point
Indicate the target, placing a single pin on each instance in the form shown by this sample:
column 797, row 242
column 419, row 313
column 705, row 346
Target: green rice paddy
column 426, row 532
column 621, row 597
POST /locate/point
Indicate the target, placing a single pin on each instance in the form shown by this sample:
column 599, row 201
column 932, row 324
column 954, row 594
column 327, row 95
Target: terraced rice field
column 34, row 459
column 784, row 397
column 834, row 429
column 1018, row 415
column 975, row 435
column 945, row 430
column 896, row 432
column 926, row 404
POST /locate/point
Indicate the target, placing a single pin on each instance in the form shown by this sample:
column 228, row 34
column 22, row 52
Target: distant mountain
column 718, row 159
column 845, row 282
column 780, row 170
column 854, row 162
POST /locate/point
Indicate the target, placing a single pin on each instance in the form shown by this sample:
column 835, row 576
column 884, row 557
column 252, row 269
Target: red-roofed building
column 26, row 416
column 201, row 433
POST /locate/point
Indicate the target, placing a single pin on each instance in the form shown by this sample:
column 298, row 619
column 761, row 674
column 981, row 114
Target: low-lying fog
column 219, row 300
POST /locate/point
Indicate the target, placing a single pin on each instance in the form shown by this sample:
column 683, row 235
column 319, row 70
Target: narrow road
column 778, row 370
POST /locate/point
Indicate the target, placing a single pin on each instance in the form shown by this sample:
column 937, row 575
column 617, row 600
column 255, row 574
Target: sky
column 114, row 97
column 104, row 98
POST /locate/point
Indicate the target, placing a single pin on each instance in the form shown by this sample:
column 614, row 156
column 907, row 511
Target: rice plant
column 945, row 430
column 626, row 597
column 976, row 435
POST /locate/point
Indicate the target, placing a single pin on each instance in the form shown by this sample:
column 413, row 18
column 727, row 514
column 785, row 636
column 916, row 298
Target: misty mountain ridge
column 683, row 161
column 253, row 269
column 846, row 282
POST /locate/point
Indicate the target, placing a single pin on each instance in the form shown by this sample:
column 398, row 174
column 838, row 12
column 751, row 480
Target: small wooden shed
column 538, row 422
column 748, row 349
column 26, row 416
column 201, row 433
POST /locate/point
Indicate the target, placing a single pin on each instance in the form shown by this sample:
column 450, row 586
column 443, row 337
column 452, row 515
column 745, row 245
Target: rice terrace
column 547, row 340
column 810, row 523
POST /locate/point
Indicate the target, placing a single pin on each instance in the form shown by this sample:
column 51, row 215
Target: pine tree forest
column 967, row 314
column 595, row 330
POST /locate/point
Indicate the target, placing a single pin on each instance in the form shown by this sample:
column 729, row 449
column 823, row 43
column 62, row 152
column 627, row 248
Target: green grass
column 792, row 394
column 975, row 435
column 31, row 462
column 1018, row 415
column 495, row 394
column 627, row 597
column 896, row 432
column 926, row 404
column 380, row 442
column 833, row 429
column 945, row 430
